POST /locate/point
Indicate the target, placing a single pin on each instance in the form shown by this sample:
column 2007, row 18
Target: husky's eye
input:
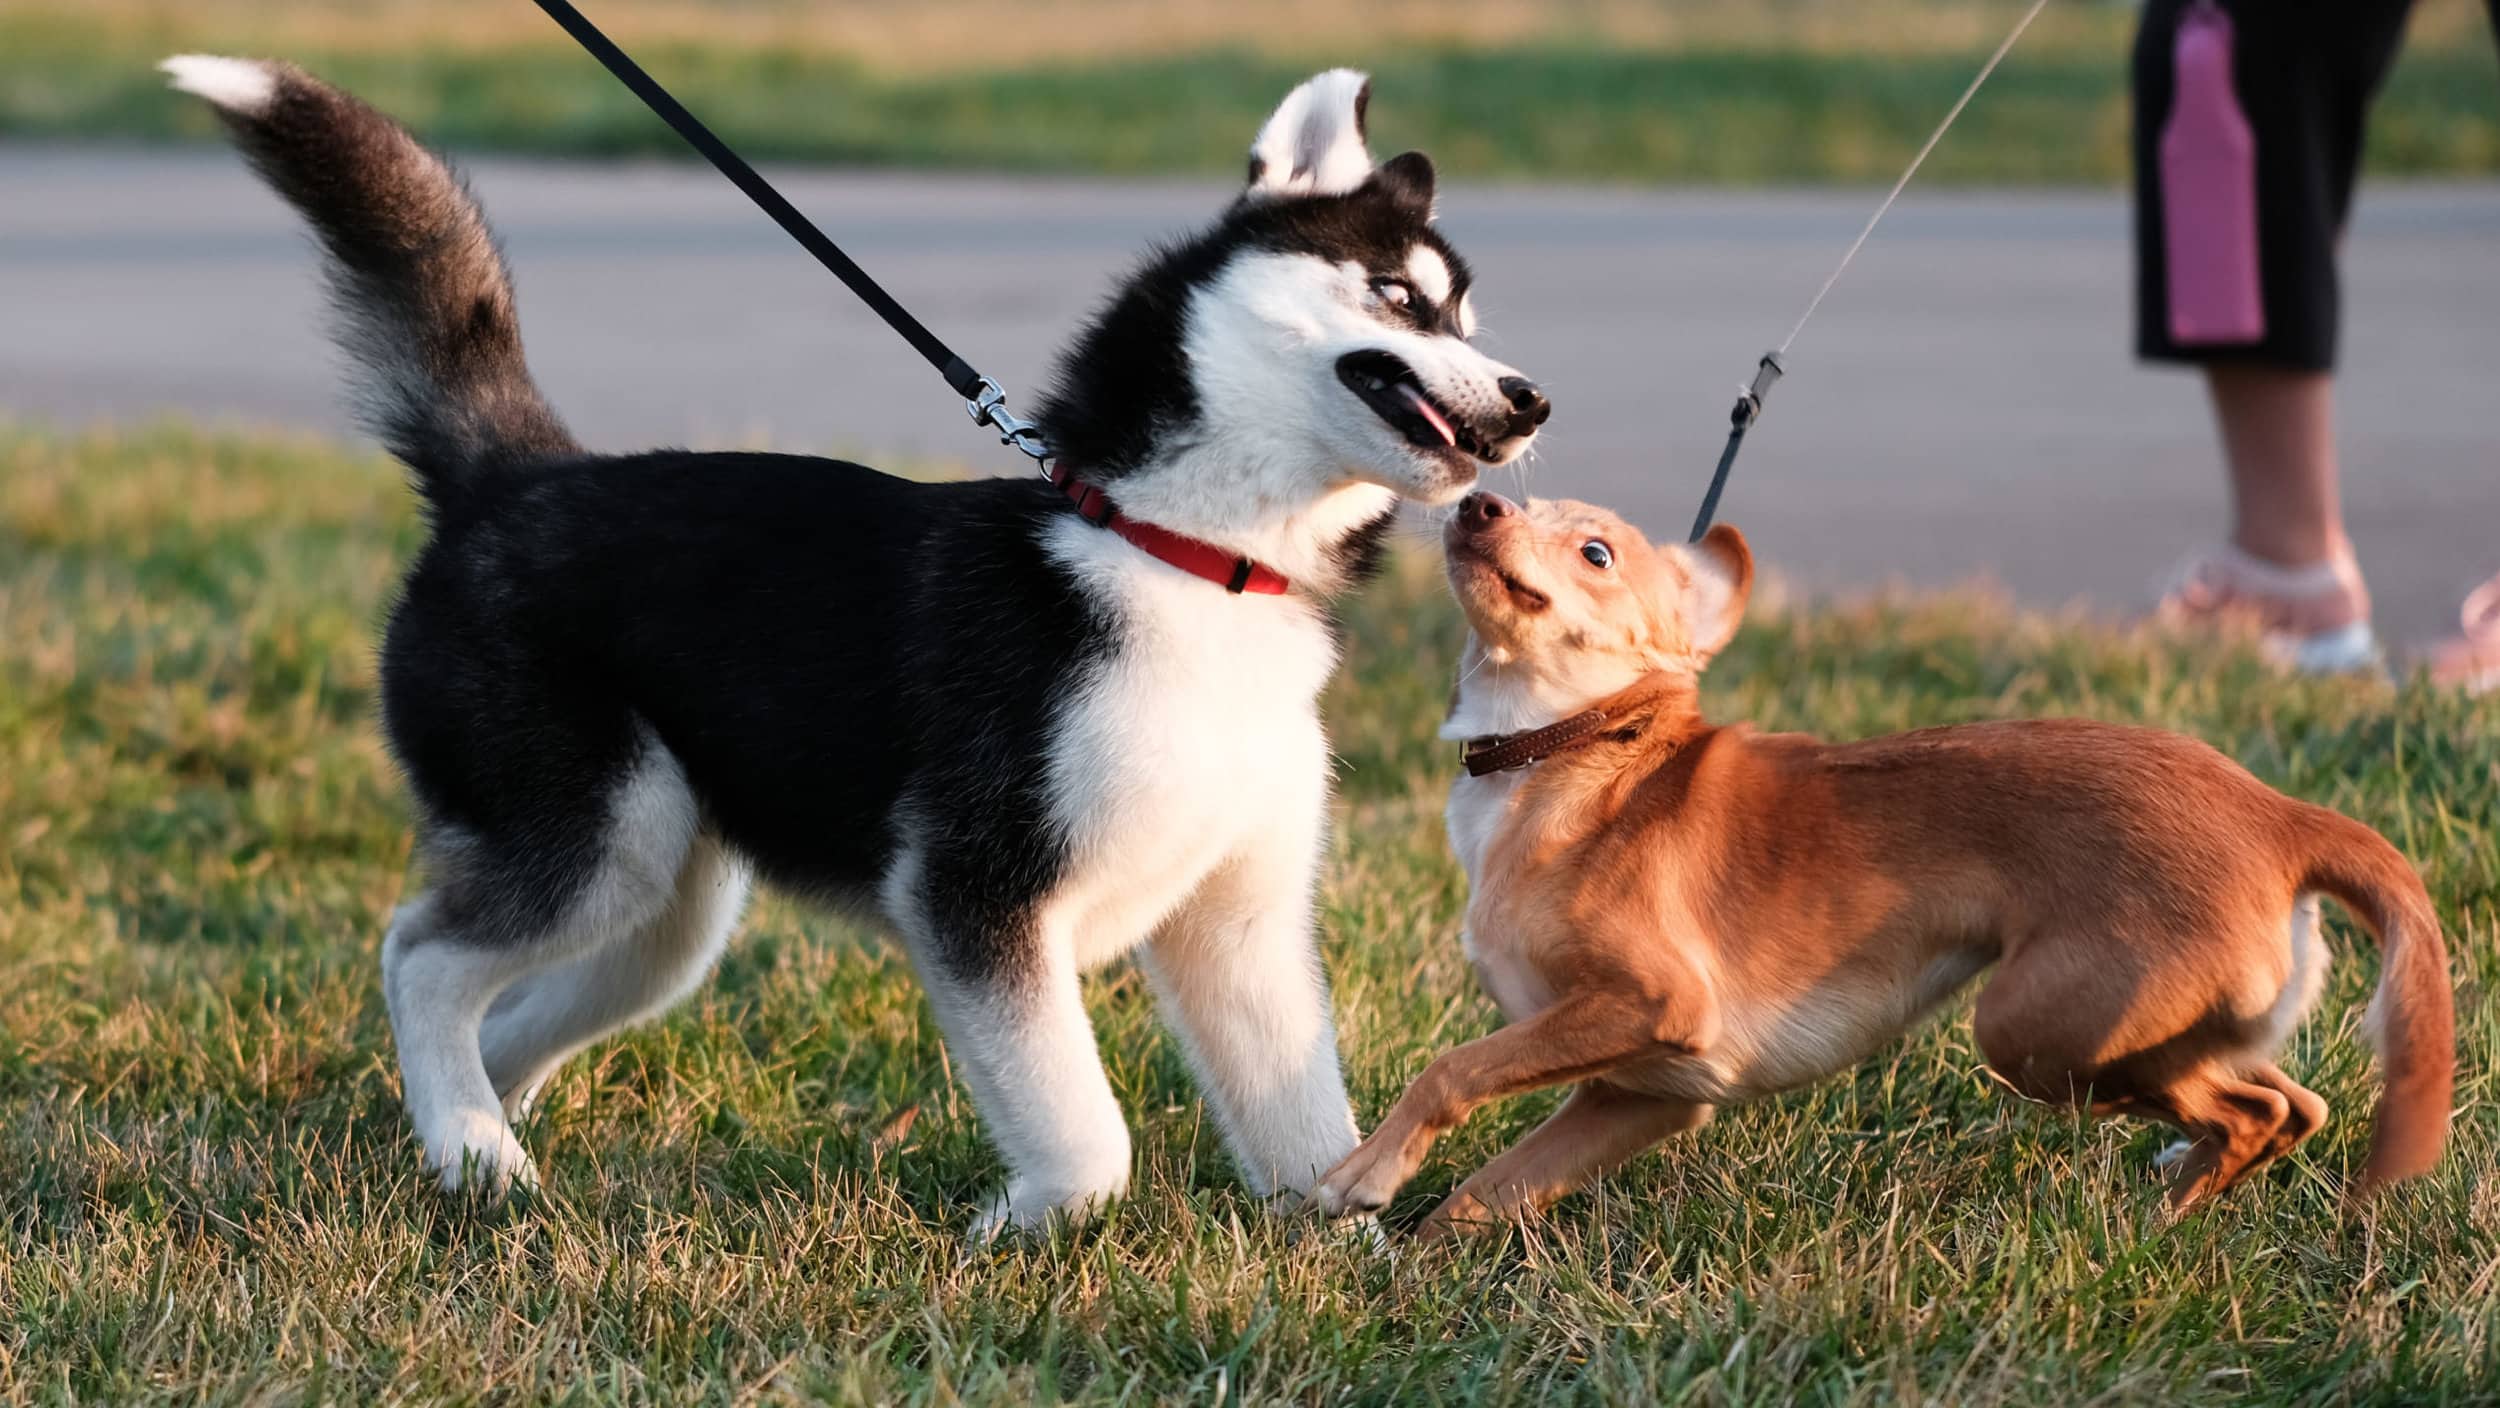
column 1394, row 292
column 1599, row 555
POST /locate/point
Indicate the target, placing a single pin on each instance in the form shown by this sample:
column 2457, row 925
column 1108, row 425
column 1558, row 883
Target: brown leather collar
column 1619, row 716
column 1501, row 752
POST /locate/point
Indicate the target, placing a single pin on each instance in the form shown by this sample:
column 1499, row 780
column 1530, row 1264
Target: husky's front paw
column 1305, row 1226
column 522, row 1100
column 1002, row 1219
column 1023, row 1212
column 475, row 1154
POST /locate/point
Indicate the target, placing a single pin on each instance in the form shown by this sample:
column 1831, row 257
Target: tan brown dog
column 1678, row 915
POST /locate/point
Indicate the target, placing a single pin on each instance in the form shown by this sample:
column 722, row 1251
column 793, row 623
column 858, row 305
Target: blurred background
column 1650, row 193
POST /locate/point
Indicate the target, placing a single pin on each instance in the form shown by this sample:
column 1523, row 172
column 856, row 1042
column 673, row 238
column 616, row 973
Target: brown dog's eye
column 1599, row 555
column 1393, row 292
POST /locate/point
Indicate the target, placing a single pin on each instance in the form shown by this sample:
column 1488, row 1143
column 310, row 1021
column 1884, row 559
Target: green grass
column 1727, row 105
column 207, row 1191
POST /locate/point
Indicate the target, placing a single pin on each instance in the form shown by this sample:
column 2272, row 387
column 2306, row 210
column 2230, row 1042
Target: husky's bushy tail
column 422, row 298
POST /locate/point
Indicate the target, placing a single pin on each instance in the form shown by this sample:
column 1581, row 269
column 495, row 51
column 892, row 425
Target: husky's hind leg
column 544, row 1018
column 589, row 873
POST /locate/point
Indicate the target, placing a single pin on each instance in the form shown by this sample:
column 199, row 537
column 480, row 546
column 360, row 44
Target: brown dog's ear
column 1721, row 568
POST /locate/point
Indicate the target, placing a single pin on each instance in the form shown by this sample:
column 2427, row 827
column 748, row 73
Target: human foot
column 2470, row 660
column 2313, row 619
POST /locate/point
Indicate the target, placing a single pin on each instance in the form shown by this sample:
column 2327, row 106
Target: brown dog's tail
column 2412, row 1018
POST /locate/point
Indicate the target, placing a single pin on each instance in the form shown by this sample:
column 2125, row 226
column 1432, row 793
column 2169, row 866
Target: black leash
column 1774, row 363
column 1748, row 410
column 982, row 396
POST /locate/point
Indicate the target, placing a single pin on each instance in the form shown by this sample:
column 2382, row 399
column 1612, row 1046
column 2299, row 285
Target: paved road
column 1962, row 407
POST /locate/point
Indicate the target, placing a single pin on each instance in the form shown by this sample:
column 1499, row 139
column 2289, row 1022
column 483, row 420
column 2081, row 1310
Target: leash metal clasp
column 1749, row 398
column 990, row 408
column 1748, row 410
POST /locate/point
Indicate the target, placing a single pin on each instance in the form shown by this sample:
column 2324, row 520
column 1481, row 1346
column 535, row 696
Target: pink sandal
column 2471, row 660
column 2314, row 619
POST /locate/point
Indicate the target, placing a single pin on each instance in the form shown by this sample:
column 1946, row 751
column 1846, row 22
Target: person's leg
column 2277, row 415
column 2471, row 658
column 2278, row 442
column 2304, row 75
column 2289, row 569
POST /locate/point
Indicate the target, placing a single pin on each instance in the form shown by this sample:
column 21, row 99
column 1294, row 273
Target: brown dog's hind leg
column 2306, row 1117
column 1598, row 1130
column 2049, row 1042
column 2234, row 1125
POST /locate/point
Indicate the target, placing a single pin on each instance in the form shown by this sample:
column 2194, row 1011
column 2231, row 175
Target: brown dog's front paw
column 1365, row 1182
column 1461, row 1214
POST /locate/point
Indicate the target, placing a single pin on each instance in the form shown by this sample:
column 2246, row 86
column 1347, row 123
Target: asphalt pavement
column 1964, row 407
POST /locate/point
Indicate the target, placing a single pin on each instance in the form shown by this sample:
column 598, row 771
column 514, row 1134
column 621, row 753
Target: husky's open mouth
column 1390, row 387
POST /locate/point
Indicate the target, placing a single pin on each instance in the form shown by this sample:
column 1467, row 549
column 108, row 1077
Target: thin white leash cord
column 1773, row 366
column 1915, row 163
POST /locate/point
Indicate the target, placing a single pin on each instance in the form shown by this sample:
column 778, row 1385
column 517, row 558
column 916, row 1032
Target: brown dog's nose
column 1477, row 510
column 1528, row 404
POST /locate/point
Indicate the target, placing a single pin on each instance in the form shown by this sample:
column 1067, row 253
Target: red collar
column 1195, row 556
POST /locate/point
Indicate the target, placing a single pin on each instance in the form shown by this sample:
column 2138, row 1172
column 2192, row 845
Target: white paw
column 994, row 1221
column 1365, row 1233
column 1021, row 1212
column 2177, row 1150
column 475, row 1153
column 523, row 1099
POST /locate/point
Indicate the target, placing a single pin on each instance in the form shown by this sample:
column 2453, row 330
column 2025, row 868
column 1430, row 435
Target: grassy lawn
column 207, row 1191
column 1730, row 91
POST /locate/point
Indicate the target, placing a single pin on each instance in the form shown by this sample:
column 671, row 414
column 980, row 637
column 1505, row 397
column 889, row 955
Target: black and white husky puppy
column 1034, row 731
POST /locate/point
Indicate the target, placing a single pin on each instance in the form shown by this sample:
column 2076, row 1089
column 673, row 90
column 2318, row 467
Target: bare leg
column 2278, row 435
column 2289, row 570
column 1598, row 1130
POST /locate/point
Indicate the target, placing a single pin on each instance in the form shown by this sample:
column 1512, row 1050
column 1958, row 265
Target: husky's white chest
column 1197, row 736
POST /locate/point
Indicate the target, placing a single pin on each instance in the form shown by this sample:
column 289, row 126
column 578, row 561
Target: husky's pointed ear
column 1408, row 180
column 1312, row 144
column 1719, row 578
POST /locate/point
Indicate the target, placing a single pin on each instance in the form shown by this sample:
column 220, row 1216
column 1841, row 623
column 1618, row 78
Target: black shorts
column 2305, row 71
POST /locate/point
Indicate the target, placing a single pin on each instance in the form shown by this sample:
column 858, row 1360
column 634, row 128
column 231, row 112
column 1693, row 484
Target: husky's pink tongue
column 1448, row 436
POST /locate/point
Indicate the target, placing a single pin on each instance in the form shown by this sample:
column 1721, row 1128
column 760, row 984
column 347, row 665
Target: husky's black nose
column 1528, row 405
column 1477, row 510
